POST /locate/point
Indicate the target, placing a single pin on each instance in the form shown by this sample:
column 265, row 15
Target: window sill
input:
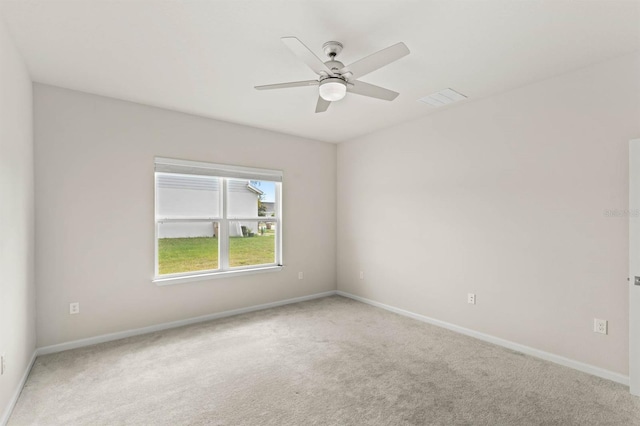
column 161, row 281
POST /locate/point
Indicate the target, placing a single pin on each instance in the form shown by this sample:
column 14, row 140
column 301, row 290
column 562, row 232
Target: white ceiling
column 204, row 57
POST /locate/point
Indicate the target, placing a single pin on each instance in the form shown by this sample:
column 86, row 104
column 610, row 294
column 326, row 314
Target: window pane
column 252, row 243
column 187, row 247
column 187, row 196
column 250, row 198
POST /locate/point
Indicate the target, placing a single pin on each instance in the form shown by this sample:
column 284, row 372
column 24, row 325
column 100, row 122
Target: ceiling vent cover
column 442, row 98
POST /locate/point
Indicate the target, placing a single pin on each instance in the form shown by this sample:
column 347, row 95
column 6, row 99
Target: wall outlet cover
column 600, row 326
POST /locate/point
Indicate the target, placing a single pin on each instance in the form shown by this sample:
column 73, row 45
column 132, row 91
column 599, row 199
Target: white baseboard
column 7, row 411
column 174, row 324
column 577, row 365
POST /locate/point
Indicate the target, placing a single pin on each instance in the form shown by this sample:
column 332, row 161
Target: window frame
column 230, row 172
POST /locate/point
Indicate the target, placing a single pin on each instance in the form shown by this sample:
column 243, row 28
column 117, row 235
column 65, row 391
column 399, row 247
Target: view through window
column 214, row 218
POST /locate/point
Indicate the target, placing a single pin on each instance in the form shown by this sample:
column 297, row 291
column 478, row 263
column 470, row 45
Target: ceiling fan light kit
column 335, row 79
column 332, row 89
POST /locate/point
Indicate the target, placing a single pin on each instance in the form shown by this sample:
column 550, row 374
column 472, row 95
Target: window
column 215, row 220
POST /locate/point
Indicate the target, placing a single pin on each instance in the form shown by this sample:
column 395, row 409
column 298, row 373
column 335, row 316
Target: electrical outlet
column 300, row 275
column 600, row 326
column 74, row 308
column 471, row 298
column 3, row 366
column 362, row 275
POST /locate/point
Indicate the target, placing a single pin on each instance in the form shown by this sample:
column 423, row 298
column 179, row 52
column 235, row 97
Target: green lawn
column 201, row 253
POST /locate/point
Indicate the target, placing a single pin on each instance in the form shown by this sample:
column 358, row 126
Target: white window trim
column 227, row 172
column 169, row 280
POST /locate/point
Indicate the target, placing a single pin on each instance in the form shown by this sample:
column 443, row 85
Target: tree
column 262, row 209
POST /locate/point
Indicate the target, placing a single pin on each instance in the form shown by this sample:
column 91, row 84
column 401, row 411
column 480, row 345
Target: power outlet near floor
column 3, row 366
column 471, row 298
column 600, row 326
column 300, row 275
column 74, row 308
column 362, row 275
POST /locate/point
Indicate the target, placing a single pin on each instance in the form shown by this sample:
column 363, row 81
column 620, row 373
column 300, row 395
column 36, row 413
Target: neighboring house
column 193, row 198
column 271, row 206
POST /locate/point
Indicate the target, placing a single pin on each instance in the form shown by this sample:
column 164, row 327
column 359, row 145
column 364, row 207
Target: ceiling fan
column 336, row 79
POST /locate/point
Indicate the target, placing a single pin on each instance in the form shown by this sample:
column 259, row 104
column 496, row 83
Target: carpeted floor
column 331, row 361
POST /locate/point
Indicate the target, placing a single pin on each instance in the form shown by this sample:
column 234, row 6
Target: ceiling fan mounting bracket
column 332, row 49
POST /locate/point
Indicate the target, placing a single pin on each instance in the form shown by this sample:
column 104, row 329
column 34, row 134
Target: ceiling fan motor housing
column 334, row 66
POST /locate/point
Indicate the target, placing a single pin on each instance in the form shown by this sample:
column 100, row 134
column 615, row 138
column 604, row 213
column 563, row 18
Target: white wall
column 510, row 195
column 17, row 297
column 95, row 220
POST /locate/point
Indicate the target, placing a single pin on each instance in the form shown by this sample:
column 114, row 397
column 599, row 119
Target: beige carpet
column 331, row 361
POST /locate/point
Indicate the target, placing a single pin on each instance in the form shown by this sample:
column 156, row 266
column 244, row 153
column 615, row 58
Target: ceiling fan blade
column 376, row 60
column 322, row 104
column 366, row 89
column 307, row 56
column 287, row 85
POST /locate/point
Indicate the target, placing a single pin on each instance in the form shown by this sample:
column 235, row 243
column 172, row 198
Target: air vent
column 442, row 98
